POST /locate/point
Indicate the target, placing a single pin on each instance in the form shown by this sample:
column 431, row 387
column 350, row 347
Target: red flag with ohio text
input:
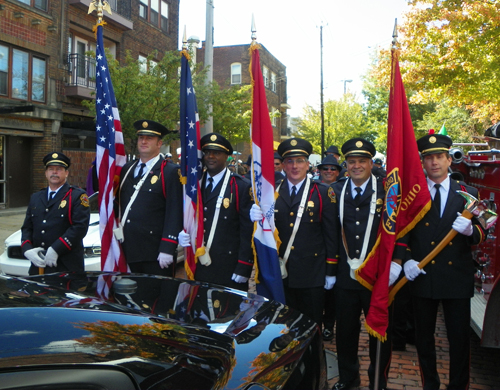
column 407, row 199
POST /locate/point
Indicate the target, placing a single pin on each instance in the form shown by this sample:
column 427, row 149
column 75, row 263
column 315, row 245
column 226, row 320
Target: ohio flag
column 109, row 162
column 268, row 275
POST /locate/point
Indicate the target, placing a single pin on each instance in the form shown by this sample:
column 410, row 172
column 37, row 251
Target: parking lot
column 404, row 373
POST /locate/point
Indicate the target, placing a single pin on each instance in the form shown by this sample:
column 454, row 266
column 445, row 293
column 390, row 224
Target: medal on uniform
column 226, row 202
column 310, row 204
column 154, row 179
column 216, row 304
column 63, row 204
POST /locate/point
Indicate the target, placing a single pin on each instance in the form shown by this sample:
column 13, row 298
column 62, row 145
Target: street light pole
column 346, row 81
column 321, row 95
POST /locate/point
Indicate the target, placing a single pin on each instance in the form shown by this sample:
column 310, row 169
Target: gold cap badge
column 213, row 137
column 293, row 142
column 55, row 155
column 432, row 140
column 359, row 144
column 145, row 124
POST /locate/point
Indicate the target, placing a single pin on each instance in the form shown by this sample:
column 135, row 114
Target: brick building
column 45, row 73
column 230, row 67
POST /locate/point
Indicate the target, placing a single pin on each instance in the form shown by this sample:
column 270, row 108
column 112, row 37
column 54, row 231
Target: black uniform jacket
column 354, row 227
column 155, row 218
column 315, row 244
column 231, row 248
column 450, row 274
column 60, row 223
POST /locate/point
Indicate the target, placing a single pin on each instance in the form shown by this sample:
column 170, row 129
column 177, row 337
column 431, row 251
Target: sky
column 290, row 30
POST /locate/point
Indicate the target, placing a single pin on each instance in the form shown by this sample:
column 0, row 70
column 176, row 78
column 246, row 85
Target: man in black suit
column 449, row 278
column 226, row 209
column 310, row 208
column 57, row 220
column 150, row 204
column 361, row 199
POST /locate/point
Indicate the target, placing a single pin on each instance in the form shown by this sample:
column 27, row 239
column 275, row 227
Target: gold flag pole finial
column 395, row 35
column 100, row 6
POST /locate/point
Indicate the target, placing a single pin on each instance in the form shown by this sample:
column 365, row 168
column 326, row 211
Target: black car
column 60, row 331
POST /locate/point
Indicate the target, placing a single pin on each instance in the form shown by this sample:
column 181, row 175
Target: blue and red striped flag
column 268, row 275
column 191, row 167
column 109, row 162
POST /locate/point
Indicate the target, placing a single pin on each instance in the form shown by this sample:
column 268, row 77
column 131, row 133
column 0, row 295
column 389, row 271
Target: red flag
column 407, row 199
column 109, row 161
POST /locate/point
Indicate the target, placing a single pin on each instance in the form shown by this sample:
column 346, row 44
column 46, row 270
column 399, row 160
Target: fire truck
column 480, row 168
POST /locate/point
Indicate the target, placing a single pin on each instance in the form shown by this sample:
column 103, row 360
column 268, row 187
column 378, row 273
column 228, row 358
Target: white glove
column 412, row 270
column 394, row 273
column 33, row 255
column 239, row 278
column 184, row 239
column 463, row 225
column 51, row 257
column 330, row 282
column 256, row 213
column 165, row 259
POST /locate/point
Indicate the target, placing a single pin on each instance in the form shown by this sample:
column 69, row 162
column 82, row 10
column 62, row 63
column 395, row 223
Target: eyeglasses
column 328, row 169
column 291, row 161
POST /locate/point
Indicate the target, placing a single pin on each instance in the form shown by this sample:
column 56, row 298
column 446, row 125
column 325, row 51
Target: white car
column 13, row 262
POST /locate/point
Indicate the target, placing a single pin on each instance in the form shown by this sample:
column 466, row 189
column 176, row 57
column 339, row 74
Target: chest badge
column 310, row 204
column 62, row 204
column 154, row 179
column 226, row 202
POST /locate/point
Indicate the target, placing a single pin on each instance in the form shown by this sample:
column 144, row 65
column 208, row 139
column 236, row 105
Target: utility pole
column 321, row 95
column 209, row 62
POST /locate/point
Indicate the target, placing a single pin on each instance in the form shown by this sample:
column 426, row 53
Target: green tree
column 344, row 119
column 449, row 54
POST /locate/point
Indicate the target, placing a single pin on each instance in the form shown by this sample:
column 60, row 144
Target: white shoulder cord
column 217, row 209
column 373, row 206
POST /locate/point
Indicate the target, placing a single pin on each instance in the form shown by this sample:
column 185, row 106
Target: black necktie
column 51, row 195
column 358, row 195
column 437, row 199
column 294, row 192
column 141, row 170
column 209, row 187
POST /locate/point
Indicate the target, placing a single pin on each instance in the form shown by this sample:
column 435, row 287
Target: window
column 155, row 12
column 273, row 81
column 144, row 65
column 22, row 75
column 39, row 4
column 236, row 73
column 265, row 75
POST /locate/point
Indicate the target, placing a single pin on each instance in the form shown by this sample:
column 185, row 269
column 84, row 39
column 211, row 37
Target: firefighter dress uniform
column 61, row 223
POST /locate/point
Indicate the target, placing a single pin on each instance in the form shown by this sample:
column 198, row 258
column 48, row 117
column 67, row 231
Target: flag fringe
column 255, row 263
column 374, row 333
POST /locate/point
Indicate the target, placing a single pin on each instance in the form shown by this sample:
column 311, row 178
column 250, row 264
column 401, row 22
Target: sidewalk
column 404, row 373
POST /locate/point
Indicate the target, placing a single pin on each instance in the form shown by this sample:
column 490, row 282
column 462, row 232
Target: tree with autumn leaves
column 449, row 59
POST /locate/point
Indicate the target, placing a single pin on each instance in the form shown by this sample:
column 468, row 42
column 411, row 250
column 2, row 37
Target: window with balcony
column 23, row 75
column 38, row 4
column 273, row 81
column 236, row 73
column 155, row 12
column 265, row 76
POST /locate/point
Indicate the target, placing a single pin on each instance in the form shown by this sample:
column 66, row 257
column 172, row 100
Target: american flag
column 109, row 162
column 268, row 275
column 191, row 168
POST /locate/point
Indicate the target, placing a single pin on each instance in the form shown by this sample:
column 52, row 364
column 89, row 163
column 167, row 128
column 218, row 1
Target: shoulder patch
column 331, row 195
column 84, row 200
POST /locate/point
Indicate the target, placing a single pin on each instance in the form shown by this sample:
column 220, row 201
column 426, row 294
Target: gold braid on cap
column 218, row 145
column 295, row 150
column 148, row 131
column 56, row 161
column 358, row 151
column 435, row 150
